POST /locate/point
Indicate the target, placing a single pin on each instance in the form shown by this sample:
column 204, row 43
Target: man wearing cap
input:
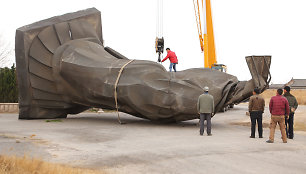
column 205, row 108
column 293, row 104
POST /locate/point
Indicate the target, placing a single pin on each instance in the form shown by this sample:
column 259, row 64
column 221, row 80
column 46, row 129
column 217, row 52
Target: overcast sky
column 242, row 28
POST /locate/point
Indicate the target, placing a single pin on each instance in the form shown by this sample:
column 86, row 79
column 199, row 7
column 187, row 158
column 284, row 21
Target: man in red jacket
column 173, row 59
column 279, row 109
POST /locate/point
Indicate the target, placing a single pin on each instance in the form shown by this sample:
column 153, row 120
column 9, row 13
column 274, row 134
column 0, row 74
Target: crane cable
column 198, row 21
column 159, row 19
column 159, row 40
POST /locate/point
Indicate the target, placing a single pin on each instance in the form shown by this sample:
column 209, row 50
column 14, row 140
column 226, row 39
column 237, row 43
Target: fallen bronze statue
column 63, row 68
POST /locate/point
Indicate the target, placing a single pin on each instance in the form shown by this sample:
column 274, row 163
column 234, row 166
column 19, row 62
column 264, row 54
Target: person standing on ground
column 205, row 108
column 279, row 109
column 173, row 59
column 293, row 104
column 256, row 108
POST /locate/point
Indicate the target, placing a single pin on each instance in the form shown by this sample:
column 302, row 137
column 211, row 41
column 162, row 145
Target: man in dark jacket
column 279, row 108
column 256, row 108
column 173, row 59
column 293, row 104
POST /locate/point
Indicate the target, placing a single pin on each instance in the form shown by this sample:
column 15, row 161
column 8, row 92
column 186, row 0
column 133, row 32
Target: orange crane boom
column 206, row 35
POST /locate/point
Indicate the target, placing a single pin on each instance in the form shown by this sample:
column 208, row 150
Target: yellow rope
column 115, row 93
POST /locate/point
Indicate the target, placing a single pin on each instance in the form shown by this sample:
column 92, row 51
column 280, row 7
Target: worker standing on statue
column 173, row 59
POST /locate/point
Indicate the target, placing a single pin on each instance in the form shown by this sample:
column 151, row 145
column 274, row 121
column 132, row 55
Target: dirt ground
column 299, row 119
column 97, row 141
column 300, row 95
column 300, row 115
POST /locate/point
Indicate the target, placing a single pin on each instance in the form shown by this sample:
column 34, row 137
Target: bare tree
column 5, row 51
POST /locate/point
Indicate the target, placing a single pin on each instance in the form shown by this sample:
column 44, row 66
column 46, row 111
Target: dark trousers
column 207, row 117
column 256, row 116
column 289, row 126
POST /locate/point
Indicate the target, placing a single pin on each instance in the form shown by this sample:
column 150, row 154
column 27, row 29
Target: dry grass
column 300, row 126
column 24, row 165
column 248, row 123
column 300, row 95
column 299, row 120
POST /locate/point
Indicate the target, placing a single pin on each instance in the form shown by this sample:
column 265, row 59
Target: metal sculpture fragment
column 63, row 68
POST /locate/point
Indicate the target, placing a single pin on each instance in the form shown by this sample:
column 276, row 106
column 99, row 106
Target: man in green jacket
column 293, row 104
column 205, row 108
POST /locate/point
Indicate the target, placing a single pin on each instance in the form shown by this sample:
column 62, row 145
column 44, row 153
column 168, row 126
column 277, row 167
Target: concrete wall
column 9, row 108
